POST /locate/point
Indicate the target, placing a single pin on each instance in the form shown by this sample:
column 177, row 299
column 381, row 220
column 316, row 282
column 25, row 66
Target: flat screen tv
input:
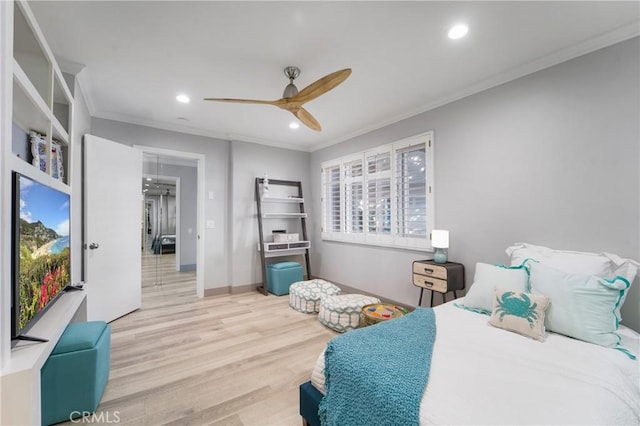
column 41, row 260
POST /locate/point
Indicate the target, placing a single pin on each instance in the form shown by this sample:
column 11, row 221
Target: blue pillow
column 584, row 307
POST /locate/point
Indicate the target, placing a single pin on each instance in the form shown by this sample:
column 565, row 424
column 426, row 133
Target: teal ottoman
column 281, row 275
column 75, row 375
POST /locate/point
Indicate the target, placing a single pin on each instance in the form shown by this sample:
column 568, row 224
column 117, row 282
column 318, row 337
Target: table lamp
column 440, row 241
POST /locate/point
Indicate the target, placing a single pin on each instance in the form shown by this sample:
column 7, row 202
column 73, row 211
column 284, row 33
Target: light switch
column 211, row 195
column 211, row 224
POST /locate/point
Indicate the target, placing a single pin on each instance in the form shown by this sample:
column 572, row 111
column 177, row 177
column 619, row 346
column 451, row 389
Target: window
column 382, row 196
column 331, row 198
column 411, row 192
column 353, row 191
column 379, row 192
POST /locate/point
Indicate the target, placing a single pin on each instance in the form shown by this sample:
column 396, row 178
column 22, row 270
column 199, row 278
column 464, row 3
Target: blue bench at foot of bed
column 310, row 399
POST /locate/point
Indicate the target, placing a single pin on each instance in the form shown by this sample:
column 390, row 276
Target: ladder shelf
column 270, row 249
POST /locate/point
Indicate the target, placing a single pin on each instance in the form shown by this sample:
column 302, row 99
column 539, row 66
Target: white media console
column 20, row 376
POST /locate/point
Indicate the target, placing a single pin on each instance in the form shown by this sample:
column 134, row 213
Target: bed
column 481, row 374
column 163, row 244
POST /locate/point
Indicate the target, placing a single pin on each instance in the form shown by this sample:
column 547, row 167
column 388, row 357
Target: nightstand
column 440, row 277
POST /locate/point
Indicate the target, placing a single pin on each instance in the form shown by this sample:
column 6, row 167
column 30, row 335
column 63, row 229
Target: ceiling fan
column 292, row 99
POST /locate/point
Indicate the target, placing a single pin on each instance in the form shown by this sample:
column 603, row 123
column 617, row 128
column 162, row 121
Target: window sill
column 410, row 245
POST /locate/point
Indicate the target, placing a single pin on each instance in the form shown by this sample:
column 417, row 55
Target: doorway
column 171, row 211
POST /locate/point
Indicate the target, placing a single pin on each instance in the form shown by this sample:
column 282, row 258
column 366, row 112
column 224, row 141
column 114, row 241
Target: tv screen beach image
column 44, row 254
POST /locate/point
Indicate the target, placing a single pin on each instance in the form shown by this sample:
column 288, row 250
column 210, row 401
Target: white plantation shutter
column 382, row 196
column 331, row 199
column 411, row 192
column 353, row 191
column 379, row 193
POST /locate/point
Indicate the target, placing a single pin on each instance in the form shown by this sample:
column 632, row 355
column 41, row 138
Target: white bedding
column 484, row 375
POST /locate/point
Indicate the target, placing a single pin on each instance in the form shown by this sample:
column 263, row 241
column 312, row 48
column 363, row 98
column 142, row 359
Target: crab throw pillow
column 522, row 313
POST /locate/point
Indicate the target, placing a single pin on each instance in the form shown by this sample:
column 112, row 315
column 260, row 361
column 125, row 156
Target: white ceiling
column 140, row 55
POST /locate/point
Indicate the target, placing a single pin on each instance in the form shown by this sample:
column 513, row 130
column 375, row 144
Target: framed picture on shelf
column 39, row 151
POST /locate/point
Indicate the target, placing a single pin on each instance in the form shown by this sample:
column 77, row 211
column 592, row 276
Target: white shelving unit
column 286, row 249
column 283, row 215
column 35, row 98
column 41, row 99
column 270, row 249
column 272, row 199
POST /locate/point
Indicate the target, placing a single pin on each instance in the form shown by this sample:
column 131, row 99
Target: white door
column 112, row 192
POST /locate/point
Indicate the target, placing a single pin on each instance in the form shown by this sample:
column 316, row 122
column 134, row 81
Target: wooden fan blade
column 245, row 101
column 321, row 86
column 307, row 119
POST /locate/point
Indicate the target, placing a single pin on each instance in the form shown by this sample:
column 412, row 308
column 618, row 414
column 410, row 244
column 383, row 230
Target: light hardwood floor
column 224, row 360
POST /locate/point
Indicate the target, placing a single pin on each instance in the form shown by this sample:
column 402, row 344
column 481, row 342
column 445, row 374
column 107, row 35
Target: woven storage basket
column 377, row 312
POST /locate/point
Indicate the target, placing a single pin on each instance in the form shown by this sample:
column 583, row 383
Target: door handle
column 93, row 246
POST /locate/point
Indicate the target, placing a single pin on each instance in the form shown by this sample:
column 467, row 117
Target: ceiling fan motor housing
column 292, row 73
column 290, row 91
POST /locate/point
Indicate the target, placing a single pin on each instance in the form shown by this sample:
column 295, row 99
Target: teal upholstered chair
column 74, row 377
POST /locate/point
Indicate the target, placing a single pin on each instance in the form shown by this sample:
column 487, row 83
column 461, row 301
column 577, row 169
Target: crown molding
column 70, row 67
column 229, row 137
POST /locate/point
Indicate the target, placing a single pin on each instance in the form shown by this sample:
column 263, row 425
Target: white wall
column 250, row 161
column 216, row 165
column 550, row 158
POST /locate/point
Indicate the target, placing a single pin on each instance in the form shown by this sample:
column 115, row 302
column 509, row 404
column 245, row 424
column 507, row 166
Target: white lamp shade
column 440, row 238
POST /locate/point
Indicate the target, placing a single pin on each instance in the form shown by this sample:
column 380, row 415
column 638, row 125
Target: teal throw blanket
column 376, row 375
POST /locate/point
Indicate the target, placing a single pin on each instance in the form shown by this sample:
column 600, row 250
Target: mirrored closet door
column 168, row 223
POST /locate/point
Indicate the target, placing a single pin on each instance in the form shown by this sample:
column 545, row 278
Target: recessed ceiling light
column 458, row 31
column 293, row 125
column 183, row 98
column 149, row 179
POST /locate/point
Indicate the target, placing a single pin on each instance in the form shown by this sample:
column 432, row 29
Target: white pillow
column 604, row 265
column 585, row 307
column 481, row 294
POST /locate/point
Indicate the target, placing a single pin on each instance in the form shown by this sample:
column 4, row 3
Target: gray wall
column 216, row 165
column 231, row 256
column 248, row 162
column 551, row 159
